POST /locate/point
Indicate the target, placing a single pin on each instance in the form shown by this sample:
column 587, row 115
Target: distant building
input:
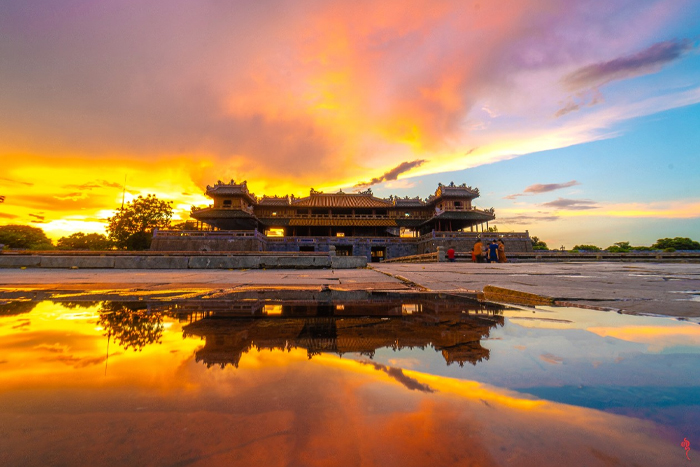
column 355, row 223
column 345, row 214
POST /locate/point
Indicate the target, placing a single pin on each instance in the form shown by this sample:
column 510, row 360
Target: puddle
column 321, row 376
column 692, row 295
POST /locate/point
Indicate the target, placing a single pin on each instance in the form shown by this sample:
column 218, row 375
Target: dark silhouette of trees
column 24, row 236
column 138, row 219
column 81, row 241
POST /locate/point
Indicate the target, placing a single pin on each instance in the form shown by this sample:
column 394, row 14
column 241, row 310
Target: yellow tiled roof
column 343, row 200
column 315, row 222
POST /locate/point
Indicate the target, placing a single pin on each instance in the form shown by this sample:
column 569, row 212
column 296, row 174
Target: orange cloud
column 292, row 94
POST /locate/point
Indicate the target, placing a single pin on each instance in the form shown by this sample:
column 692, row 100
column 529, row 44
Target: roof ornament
column 341, row 192
column 452, row 184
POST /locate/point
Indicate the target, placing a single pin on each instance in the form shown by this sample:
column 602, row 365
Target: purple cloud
column 571, row 204
column 649, row 60
column 540, row 188
column 525, row 220
column 392, row 174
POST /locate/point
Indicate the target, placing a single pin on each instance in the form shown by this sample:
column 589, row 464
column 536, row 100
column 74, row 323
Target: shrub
column 586, row 248
column 677, row 243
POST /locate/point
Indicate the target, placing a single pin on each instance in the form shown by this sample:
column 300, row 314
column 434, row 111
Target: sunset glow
column 102, row 97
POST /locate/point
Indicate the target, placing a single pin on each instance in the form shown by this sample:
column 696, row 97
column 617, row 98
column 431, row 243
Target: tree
column 24, row 236
column 537, row 244
column 678, row 243
column 619, row 247
column 80, row 241
column 586, row 248
column 131, row 326
column 492, row 229
column 139, row 216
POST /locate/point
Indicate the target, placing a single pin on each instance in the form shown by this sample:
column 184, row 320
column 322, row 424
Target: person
column 493, row 252
column 451, row 255
column 501, row 251
column 478, row 252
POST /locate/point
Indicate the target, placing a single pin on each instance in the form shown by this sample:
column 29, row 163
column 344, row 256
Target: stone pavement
column 658, row 288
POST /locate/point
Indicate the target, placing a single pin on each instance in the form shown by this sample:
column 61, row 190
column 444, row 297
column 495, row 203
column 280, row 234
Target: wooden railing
column 208, row 233
column 399, row 215
column 475, row 235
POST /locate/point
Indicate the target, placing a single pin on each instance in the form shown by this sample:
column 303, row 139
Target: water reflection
column 132, row 326
column 233, row 384
column 16, row 307
column 453, row 329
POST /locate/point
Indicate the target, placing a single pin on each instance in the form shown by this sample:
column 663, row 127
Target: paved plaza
column 671, row 289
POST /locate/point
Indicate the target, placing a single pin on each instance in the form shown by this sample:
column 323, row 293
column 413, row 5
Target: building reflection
column 453, row 327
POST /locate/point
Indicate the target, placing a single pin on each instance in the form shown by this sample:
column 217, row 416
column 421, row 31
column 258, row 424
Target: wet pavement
column 309, row 377
column 671, row 289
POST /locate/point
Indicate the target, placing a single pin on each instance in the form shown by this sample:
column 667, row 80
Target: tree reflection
column 132, row 326
column 17, row 307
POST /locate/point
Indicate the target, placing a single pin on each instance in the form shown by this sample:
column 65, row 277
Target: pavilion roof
column 341, row 200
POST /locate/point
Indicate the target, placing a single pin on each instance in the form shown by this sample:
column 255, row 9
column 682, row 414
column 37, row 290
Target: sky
column 577, row 120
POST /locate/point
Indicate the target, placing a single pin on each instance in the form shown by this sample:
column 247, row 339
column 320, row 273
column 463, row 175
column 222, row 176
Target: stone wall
column 207, row 244
column 250, row 261
column 361, row 246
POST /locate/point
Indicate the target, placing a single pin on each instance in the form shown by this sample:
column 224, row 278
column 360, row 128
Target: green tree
column 619, row 247
column 677, row 243
column 493, row 229
column 139, row 217
column 24, row 236
column 80, row 241
column 537, row 244
column 586, row 248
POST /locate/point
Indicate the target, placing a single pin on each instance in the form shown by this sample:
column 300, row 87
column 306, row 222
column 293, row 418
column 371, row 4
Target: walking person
column 478, row 252
column 493, row 252
column 501, row 251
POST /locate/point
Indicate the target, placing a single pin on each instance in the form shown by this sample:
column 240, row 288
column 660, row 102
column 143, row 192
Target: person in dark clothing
column 493, row 252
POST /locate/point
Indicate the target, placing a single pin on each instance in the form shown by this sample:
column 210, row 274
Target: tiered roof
column 364, row 199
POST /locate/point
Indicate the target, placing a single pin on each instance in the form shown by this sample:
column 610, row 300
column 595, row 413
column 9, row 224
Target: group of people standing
column 494, row 252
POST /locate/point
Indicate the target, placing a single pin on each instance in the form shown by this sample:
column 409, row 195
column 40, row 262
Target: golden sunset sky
column 568, row 115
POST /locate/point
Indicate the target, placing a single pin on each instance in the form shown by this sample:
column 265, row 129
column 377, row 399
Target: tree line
column 663, row 244
column 130, row 228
